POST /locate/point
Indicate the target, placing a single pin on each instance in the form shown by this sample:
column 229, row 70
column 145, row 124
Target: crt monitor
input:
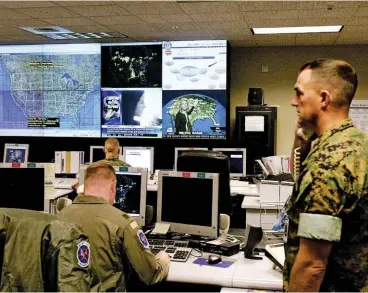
column 178, row 151
column 22, row 188
column 131, row 191
column 96, row 153
column 16, row 153
column 237, row 159
column 188, row 201
column 139, row 157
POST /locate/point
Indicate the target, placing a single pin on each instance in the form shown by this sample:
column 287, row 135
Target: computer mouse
column 214, row 259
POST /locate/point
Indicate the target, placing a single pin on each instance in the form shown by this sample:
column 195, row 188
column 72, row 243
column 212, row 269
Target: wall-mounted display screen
column 50, row 90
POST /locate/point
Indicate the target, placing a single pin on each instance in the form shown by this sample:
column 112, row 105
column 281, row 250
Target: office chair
column 209, row 162
column 61, row 203
column 40, row 252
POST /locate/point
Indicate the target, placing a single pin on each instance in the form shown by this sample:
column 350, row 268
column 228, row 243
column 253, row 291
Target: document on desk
column 49, row 173
column 161, row 228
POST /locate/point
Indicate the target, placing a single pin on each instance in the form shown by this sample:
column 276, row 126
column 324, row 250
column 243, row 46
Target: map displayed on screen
column 50, row 90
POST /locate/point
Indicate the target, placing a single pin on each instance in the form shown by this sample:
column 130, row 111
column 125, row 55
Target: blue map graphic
column 65, row 86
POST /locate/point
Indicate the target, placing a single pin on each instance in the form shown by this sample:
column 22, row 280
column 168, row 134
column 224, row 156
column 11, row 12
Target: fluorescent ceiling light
column 297, row 30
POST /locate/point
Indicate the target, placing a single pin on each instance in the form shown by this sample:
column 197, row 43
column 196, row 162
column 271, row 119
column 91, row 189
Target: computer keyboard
column 177, row 250
column 280, row 177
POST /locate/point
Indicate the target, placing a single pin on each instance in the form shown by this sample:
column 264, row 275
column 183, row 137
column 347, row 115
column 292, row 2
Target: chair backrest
column 39, row 253
column 61, row 203
column 209, row 162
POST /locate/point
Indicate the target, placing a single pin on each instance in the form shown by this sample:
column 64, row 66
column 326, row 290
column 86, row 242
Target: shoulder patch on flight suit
column 142, row 239
column 133, row 225
column 83, row 254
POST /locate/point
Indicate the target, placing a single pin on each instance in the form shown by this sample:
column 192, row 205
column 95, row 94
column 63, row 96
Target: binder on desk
column 276, row 253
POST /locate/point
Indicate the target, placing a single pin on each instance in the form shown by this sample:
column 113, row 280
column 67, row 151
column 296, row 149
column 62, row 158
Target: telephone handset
column 305, row 133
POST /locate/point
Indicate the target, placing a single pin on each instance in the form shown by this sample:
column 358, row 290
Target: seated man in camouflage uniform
column 118, row 244
column 112, row 153
column 327, row 242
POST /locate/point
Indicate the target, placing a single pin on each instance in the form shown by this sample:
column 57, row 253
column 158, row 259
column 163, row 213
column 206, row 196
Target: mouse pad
column 204, row 262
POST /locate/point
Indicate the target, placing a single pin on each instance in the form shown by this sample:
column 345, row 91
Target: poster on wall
column 359, row 114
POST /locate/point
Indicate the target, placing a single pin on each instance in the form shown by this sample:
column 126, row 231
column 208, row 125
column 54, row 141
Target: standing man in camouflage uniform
column 118, row 244
column 327, row 235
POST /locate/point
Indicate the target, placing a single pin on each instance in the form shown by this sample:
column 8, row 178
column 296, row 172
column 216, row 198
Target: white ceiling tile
column 166, row 18
column 173, row 26
column 228, row 35
column 316, row 39
column 322, row 21
column 111, row 20
column 219, row 17
column 81, row 3
column 146, row 28
column 195, row 34
column 276, row 40
column 286, row 14
column 139, row 34
column 209, row 7
column 24, row 4
column 23, row 22
column 102, row 10
column 144, row 7
column 358, row 21
column 243, row 43
column 272, row 22
column 96, row 28
column 363, row 3
column 223, row 25
column 319, row 13
column 324, row 5
column 361, row 11
column 49, row 12
column 10, row 31
column 6, row 13
column 268, row 5
column 340, row 41
column 28, row 37
column 354, row 32
column 69, row 21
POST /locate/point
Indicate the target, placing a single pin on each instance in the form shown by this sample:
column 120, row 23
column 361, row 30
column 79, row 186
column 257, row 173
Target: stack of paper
column 276, row 165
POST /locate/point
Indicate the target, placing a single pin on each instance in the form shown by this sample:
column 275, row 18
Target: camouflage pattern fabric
column 333, row 182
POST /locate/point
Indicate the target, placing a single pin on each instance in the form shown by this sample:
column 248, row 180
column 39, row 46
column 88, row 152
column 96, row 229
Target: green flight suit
column 117, row 242
column 330, row 203
column 115, row 162
column 39, row 252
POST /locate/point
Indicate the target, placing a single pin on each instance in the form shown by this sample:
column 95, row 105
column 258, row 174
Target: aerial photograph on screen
column 194, row 114
column 50, row 90
column 131, row 66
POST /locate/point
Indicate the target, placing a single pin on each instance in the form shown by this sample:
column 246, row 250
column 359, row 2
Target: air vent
column 46, row 30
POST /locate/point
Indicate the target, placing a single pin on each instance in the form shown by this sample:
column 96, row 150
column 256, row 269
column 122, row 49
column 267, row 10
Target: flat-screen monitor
column 139, row 157
column 131, row 95
column 131, row 192
column 96, row 153
column 237, row 158
column 50, row 90
column 194, row 83
column 178, row 151
column 22, row 188
column 16, row 153
column 188, row 201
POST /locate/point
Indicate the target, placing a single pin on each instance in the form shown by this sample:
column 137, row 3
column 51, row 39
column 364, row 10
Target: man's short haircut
column 99, row 171
column 111, row 145
column 340, row 74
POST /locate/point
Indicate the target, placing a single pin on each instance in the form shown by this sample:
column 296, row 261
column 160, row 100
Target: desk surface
column 244, row 273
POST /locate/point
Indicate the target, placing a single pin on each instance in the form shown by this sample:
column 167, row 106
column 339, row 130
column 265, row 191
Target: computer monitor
column 16, row 153
column 139, row 157
column 96, row 153
column 188, row 201
column 131, row 191
column 237, row 158
column 178, row 151
column 22, row 187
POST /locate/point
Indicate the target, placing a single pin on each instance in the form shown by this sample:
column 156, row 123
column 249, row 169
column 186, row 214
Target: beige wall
column 283, row 64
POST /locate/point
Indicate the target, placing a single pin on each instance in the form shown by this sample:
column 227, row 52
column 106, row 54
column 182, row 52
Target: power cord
column 197, row 250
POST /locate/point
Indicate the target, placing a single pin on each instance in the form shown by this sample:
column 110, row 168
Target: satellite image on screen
column 129, row 66
column 50, row 94
column 194, row 114
column 128, row 193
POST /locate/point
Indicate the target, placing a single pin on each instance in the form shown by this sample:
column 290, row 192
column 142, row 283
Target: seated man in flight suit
column 42, row 253
column 118, row 243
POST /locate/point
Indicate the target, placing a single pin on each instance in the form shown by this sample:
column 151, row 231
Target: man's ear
column 326, row 98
